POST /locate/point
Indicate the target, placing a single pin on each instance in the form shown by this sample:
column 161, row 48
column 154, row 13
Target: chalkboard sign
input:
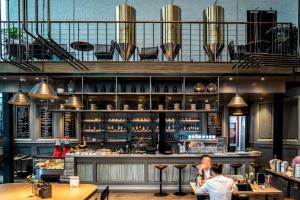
column 70, row 124
column 222, row 144
column 46, row 122
column 22, row 122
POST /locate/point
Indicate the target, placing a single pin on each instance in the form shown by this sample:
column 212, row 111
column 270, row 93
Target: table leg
column 266, row 197
column 81, row 55
column 288, row 192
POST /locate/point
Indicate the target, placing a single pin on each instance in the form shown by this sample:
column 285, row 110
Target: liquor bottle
column 95, row 89
column 112, row 88
column 133, row 88
column 175, row 89
column 123, row 88
column 142, row 89
column 166, row 89
column 156, row 89
column 103, row 89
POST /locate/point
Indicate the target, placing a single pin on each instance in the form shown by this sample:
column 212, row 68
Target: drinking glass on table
column 268, row 181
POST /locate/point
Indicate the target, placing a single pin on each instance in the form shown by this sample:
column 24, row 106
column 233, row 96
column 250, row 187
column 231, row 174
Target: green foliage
column 13, row 33
column 285, row 36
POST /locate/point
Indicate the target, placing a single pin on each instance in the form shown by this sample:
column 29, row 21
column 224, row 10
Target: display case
column 48, row 165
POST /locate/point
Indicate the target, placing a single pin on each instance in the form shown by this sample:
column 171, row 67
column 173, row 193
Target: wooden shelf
column 141, row 121
column 116, row 131
column 141, row 131
column 93, row 131
column 116, row 121
column 92, row 121
column 134, row 111
column 189, row 121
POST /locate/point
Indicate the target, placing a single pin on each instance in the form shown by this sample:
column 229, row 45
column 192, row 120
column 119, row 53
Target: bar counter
column 138, row 169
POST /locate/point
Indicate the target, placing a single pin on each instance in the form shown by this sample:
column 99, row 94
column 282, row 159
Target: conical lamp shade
column 19, row 99
column 43, row 90
column 237, row 102
column 74, row 102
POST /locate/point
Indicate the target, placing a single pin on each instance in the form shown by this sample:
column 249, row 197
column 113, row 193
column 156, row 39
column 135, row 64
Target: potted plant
column 250, row 178
column 14, row 40
column 285, row 38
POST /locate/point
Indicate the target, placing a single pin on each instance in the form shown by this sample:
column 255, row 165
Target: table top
column 297, row 180
column 255, row 188
column 19, row 191
column 82, row 46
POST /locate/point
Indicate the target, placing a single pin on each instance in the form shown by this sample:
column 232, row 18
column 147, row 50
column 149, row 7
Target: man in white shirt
column 219, row 187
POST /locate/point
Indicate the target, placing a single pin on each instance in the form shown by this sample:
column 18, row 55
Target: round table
column 82, row 46
column 23, row 191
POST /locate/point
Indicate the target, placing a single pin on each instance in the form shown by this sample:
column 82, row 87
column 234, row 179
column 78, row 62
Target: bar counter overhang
column 137, row 171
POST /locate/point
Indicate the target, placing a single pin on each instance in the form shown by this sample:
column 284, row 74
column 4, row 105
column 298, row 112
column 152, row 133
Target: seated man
column 219, row 187
column 204, row 167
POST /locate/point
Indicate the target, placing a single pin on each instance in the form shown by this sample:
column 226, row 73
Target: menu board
column 70, row 124
column 22, row 122
column 222, row 144
column 46, row 122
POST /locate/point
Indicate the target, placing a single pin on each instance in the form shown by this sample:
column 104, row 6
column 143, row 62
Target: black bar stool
column 180, row 168
column 256, row 167
column 235, row 167
column 160, row 193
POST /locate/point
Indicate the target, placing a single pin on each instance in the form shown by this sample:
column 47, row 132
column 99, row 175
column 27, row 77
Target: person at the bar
column 219, row 187
column 204, row 167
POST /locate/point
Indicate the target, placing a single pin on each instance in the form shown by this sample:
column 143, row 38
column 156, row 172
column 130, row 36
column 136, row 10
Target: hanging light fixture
column 237, row 105
column 74, row 102
column 43, row 90
column 237, row 102
column 19, row 98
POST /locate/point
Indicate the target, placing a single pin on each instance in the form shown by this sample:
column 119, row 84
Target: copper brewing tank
column 171, row 33
column 125, row 31
column 213, row 33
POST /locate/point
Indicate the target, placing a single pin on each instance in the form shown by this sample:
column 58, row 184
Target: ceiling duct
column 213, row 33
column 126, row 30
column 171, row 31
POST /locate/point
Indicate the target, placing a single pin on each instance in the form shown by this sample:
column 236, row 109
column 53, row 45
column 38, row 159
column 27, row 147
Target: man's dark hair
column 217, row 168
column 206, row 156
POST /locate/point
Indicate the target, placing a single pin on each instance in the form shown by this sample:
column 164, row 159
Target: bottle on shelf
column 112, row 88
column 166, row 89
column 175, row 89
column 133, row 88
column 156, row 89
column 103, row 89
column 123, row 88
column 142, row 89
column 94, row 89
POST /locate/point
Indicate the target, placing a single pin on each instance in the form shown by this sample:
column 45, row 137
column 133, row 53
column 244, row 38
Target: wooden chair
column 105, row 194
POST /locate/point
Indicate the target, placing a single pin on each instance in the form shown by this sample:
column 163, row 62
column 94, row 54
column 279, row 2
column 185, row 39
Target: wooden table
column 23, row 191
column 256, row 192
column 289, row 180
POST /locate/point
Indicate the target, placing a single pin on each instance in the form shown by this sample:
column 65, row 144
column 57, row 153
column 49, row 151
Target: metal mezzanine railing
column 239, row 38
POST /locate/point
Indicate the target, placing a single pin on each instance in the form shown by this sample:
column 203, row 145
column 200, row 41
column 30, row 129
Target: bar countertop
column 186, row 155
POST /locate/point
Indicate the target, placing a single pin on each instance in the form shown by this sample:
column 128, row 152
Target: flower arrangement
column 250, row 178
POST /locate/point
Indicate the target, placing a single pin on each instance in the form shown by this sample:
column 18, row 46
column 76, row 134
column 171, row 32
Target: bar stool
column 235, row 167
column 256, row 167
column 160, row 193
column 180, row 167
